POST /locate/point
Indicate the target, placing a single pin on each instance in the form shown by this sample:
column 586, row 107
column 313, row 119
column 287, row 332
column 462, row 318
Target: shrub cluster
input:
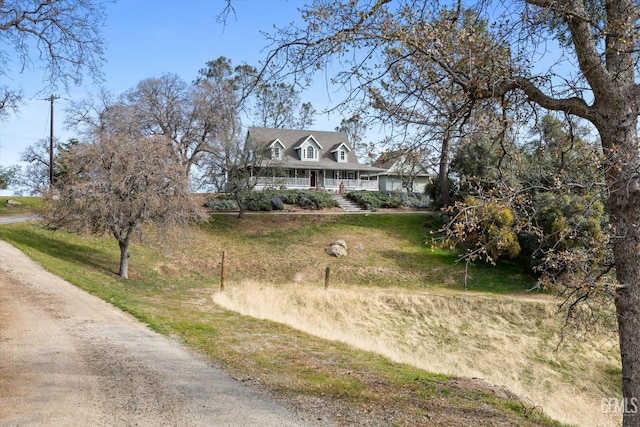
column 373, row 200
column 307, row 199
column 415, row 200
column 222, row 203
column 271, row 200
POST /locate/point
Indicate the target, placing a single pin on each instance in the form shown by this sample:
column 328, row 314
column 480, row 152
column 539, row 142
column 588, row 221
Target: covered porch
column 329, row 180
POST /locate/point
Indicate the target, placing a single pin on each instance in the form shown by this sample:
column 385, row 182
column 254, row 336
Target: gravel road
column 68, row 358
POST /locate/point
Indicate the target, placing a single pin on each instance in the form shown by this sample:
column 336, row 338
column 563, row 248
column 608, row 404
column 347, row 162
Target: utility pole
column 51, row 99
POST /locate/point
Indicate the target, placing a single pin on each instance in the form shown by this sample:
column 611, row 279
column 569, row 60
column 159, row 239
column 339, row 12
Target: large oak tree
column 574, row 56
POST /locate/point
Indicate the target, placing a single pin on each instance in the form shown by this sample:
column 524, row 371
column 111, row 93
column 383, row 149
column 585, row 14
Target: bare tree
column 35, row 176
column 596, row 58
column 232, row 162
column 187, row 117
column 119, row 183
column 183, row 113
column 356, row 129
column 275, row 107
column 63, row 35
column 8, row 176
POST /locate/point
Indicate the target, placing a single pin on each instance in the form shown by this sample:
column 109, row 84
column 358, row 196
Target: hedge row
column 273, row 200
column 373, row 200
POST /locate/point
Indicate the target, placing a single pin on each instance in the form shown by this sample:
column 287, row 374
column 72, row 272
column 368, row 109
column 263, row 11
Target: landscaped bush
column 289, row 197
column 369, row 200
column 307, row 199
column 258, row 202
column 415, row 200
column 373, row 200
column 274, row 200
column 222, row 203
column 277, row 204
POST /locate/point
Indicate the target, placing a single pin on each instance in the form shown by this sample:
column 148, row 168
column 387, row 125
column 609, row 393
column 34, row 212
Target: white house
column 303, row 159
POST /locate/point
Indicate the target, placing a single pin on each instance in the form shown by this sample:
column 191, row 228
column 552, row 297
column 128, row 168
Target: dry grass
column 392, row 295
column 389, row 297
column 507, row 341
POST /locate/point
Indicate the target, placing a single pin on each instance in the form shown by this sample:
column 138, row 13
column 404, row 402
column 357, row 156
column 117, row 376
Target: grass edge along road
column 299, row 368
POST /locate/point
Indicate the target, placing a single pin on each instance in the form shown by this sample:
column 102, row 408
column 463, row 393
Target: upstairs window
column 276, row 153
column 311, row 153
column 343, row 156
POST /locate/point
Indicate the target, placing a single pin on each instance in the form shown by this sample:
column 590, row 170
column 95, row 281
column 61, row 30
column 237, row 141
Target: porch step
column 347, row 204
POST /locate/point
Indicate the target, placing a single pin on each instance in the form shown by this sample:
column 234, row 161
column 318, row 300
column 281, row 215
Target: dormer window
column 308, row 149
column 341, row 153
column 311, row 153
column 277, row 150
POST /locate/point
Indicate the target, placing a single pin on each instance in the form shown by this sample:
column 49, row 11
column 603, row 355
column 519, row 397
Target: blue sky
column 146, row 38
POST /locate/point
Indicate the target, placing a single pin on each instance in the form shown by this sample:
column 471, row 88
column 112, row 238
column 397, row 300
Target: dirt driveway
column 68, row 358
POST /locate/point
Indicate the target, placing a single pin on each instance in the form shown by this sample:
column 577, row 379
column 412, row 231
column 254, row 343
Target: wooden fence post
column 223, row 272
column 327, row 271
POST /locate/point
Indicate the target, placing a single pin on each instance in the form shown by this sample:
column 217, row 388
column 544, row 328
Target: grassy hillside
column 27, row 205
column 396, row 310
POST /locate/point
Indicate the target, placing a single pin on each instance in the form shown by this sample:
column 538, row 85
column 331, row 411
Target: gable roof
column 305, row 140
column 388, row 159
column 393, row 161
column 340, row 145
column 292, row 139
column 276, row 141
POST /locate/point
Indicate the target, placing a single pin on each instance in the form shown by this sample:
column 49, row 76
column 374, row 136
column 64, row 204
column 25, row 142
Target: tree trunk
column 124, row 258
column 443, row 172
column 624, row 207
column 241, row 204
column 626, row 219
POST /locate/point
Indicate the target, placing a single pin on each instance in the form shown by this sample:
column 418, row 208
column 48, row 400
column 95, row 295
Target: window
column 276, row 153
column 310, row 153
column 343, row 156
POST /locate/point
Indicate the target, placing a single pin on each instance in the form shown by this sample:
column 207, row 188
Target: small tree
column 119, row 184
column 242, row 161
column 8, row 176
column 35, row 177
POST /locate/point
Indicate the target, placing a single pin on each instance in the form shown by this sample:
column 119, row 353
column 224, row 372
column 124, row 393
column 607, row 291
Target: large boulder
column 337, row 248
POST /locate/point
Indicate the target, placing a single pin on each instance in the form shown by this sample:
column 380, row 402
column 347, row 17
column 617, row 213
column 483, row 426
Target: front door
column 313, row 177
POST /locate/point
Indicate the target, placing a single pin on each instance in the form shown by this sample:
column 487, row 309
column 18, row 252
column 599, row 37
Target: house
column 402, row 171
column 304, row 159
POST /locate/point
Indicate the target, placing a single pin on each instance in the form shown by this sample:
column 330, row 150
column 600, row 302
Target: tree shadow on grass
column 55, row 245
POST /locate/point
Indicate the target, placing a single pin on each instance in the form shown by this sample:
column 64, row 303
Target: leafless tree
column 35, row 176
column 62, row 35
column 8, row 176
column 182, row 113
column 121, row 182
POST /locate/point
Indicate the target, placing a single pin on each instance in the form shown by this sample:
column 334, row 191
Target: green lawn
column 173, row 278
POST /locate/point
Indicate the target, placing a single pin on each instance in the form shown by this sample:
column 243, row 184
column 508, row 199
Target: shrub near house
column 373, row 200
column 274, row 200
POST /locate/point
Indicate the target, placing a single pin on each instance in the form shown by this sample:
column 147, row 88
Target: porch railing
column 329, row 184
column 351, row 184
column 283, row 182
